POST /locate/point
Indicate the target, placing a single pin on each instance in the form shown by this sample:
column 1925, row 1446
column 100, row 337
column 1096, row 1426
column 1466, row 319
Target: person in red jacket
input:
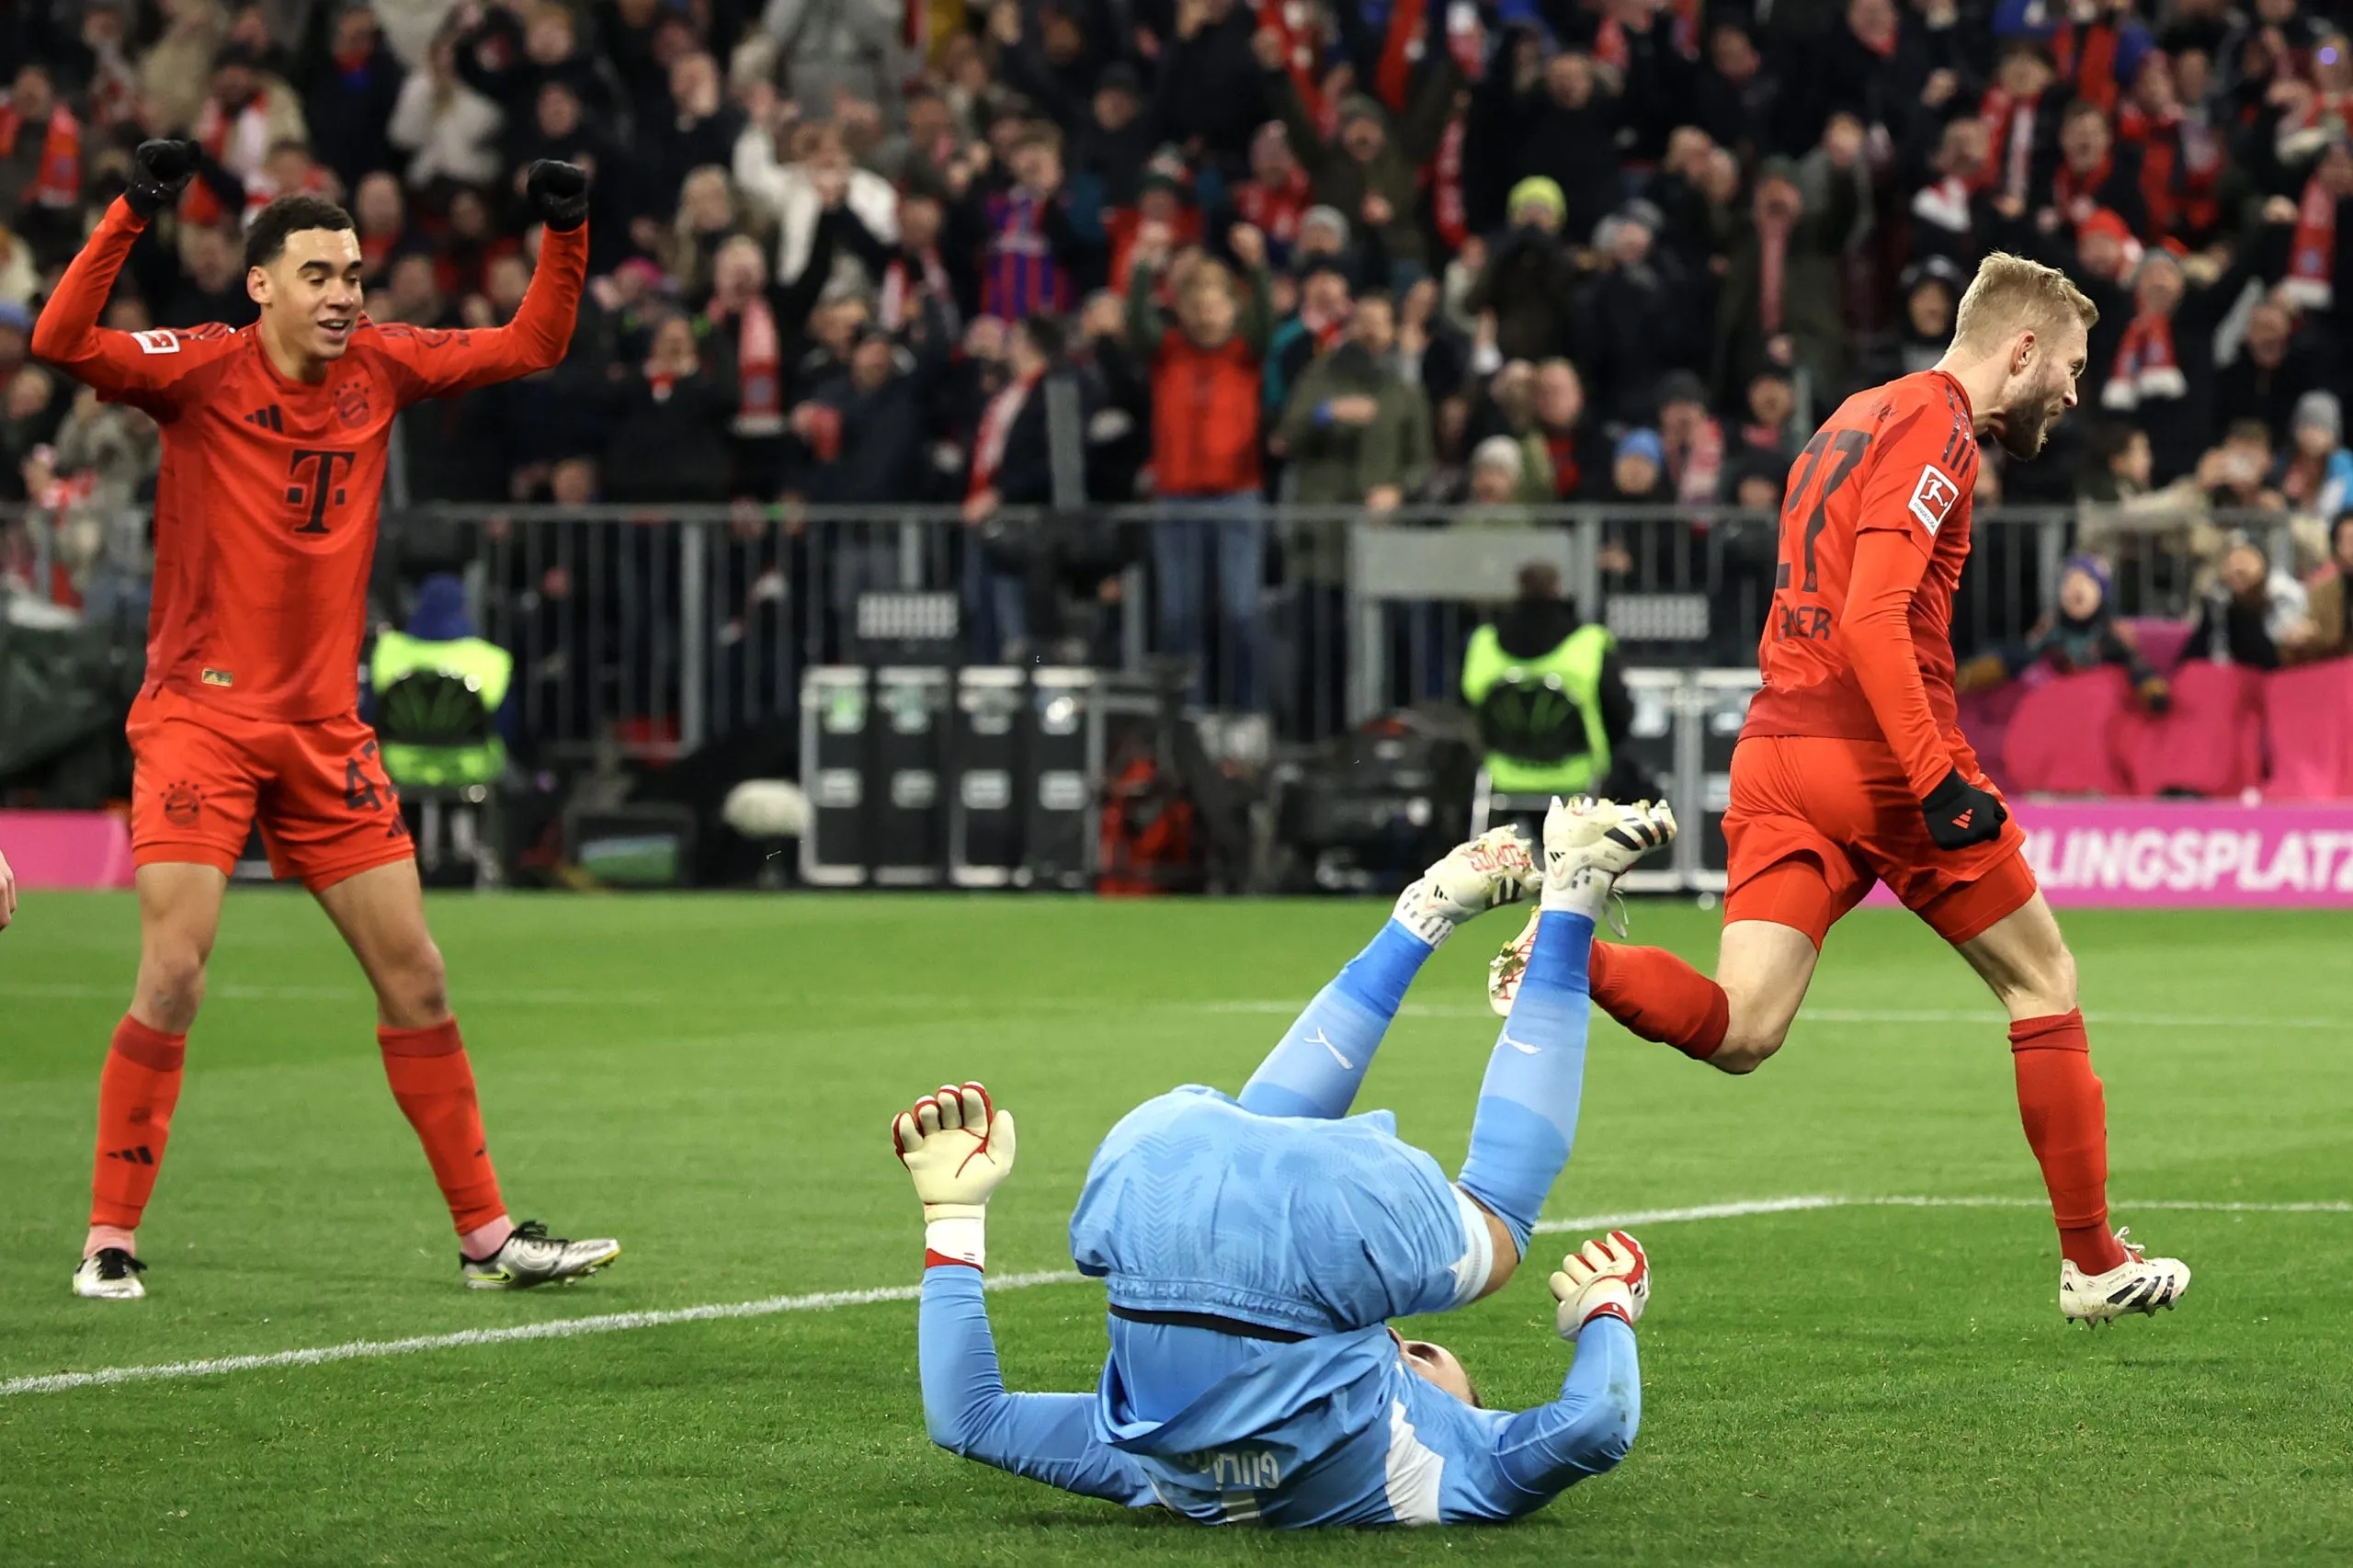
column 1206, row 404
column 274, row 443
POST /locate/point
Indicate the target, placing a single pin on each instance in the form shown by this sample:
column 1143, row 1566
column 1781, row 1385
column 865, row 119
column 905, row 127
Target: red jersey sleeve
column 428, row 362
column 1927, row 459
column 144, row 369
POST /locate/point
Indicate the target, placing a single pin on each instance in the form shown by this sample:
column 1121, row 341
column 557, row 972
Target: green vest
column 486, row 667
column 1577, row 664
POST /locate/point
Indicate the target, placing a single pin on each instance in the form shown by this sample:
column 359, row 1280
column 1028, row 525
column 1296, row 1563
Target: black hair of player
column 266, row 239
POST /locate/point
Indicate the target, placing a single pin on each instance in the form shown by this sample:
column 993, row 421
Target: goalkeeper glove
column 957, row 1146
column 558, row 193
column 1608, row 1274
column 1961, row 814
column 160, row 170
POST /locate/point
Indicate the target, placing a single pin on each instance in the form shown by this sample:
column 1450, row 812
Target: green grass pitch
column 709, row 1079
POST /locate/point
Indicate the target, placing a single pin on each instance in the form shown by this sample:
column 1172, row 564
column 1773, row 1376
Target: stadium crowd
column 1374, row 253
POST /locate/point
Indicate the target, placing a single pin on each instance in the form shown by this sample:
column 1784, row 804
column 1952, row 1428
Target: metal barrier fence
column 670, row 626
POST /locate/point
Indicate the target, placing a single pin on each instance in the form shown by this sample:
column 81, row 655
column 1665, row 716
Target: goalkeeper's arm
column 958, row 1148
column 1602, row 1289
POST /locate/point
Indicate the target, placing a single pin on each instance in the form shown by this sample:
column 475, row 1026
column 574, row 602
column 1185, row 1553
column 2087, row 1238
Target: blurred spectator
column 763, row 334
column 40, row 155
column 2271, row 372
column 840, row 48
column 1206, row 397
column 670, row 415
column 1579, row 451
column 1277, row 195
column 2094, row 174
column 1210, row 93
column 1690, row 439
column 1030, row 244
column 382, row 224
column 867, row 427
column 1638, row 478
column 2251, row 612
column 248, row 115
column 1530, row 280
column 449, row 130
column 1560, row 121
column 1630, row 332
column 2316, row 471
column 212, row 284
column 1367, row 172
column 2079, row 633
column 2328, row 629
column 1356, row 432
column 1781, row 301
column 819, row 179
column 175, row 71
column 693, row 129
column 352, row 99
column 2165, row 365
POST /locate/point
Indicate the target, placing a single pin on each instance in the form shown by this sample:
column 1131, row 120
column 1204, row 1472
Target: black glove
column 159, row 172
column 558, row 194
column 1961, row 814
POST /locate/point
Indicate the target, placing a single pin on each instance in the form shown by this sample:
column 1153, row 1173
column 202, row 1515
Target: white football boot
column 2137, row 1285
column 530, row 1257
column 1588, row 843
column 110, row 1274
column 1493, row 870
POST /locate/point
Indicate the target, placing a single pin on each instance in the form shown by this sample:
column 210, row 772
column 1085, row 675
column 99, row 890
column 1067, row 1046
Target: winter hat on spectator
column 1330, row 218
column 1536, row 190
column 1120, row 77
column 440, row 613
column 1166, row 171
column 2320, row 410
column 1501, row 453
column 1681, row 386
column 1647, row 214
column 1642, row 444
column 1362, row 106
column 2092, row 566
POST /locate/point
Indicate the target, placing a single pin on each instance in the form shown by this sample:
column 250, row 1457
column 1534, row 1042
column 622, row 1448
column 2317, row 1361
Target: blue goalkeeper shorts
column 1195, row 1204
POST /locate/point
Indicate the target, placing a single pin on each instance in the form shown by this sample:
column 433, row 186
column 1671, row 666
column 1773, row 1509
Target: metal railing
column 671, row 626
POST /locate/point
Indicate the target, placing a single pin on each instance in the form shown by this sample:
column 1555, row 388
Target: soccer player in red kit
column 1852, row 767
column 274, row 438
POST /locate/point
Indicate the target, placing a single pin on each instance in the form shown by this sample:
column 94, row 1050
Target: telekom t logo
column 311, row 474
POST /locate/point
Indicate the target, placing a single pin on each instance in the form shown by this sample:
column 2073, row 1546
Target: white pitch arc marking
column 611, row 1323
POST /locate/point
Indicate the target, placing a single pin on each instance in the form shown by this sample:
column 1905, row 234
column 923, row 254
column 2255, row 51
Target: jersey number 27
column 1845, row 449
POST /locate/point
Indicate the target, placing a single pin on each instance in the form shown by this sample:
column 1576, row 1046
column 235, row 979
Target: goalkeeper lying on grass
column 1254, row 1250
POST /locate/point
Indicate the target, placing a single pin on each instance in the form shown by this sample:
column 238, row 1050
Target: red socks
column 137, row 1091
column 2066, row 1125
column 1658, row 996
column 434, row 1085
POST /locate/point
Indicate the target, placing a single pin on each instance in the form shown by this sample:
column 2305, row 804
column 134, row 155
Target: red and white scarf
column 997, row 424
column 2312, row 256
column 1293, row 21
column 2145, row 366
column 903, row 286
column 2009, row 140
column 1772, row 269
column 2182, row 159
column 1447, row 205
column 2076, row 195
column 58, row 182
column 238, row 141
column 1696, row 470
column 2086, row 57
column 1400, row 50
column 1275, row 210
column 759, row 371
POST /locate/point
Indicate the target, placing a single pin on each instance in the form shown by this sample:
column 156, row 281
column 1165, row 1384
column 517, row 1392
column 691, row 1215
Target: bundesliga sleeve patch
column 1933, row 497
column 157, row 342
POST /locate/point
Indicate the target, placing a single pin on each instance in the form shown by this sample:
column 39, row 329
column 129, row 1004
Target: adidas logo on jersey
column 267, row 418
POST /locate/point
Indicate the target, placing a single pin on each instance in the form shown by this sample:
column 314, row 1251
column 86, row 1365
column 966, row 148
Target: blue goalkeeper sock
column 1528, row 1106
column 1316, row 1068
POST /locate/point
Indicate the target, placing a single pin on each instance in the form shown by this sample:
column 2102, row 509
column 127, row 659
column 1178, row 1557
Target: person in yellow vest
column 1553, row 704
column 443, row 745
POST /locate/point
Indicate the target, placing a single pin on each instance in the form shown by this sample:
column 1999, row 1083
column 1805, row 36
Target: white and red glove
column 1608, row 1274
column 957, row 1146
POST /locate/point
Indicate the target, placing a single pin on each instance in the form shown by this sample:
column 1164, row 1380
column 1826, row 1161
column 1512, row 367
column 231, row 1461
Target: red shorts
column 200, row 780
column 1813, row 822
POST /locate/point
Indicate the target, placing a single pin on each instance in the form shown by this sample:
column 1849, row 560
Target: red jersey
column 265, row 506
column 1857, row 645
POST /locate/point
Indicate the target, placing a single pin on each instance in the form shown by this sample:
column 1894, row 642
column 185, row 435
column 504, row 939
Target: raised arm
column 138, row 368
column 436, row 363
column 1893, row 544
column 958, row 1147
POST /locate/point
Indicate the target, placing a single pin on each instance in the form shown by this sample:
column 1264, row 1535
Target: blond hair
column 2012, row 294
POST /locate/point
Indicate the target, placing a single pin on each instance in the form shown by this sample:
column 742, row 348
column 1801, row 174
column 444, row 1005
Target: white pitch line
column 610, row 1323
column 555, row 1328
